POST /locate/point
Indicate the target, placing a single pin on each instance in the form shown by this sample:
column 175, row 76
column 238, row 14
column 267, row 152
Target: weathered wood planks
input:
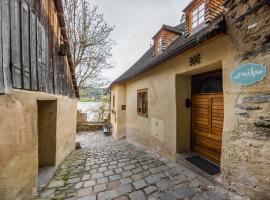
column 16, row 44
column 30, row 36
column 5, row 37
column 2, row 85
column 33, row 51
column 25, row 35
column 41, row 57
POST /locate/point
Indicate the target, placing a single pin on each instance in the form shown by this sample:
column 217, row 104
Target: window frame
column 159, row 44
column 197, row 15
column 140, row 100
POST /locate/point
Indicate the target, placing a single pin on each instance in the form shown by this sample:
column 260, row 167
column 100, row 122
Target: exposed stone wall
column 83, row 125
column 246, row 147
column 152, row 143
column 248, row 24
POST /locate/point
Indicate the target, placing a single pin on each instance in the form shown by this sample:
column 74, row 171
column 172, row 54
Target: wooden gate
column 207, row 115
column 207, row 125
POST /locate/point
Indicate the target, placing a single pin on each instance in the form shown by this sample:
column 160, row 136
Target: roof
column 182, row 44
column 177, row 29
column 60, row 12
column 188, row 6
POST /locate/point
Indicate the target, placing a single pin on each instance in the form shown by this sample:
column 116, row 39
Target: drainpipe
column 110, row 106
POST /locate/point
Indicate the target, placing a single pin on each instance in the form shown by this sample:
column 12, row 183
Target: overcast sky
column 136, row 22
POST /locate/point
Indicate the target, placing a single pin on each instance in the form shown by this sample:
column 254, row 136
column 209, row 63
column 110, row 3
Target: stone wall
column 83, row 125
column 246, row 146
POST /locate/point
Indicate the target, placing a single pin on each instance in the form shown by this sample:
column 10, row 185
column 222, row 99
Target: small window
column 142, row 102
column 198, row 16
column 159, row 45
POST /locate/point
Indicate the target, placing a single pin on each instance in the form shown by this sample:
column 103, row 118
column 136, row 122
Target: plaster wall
column 168, row 86
column 47, row 115
column 118, row 115
column 19, row 140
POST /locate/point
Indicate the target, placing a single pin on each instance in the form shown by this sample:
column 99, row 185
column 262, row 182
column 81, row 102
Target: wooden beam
column 16, row 44
column 2, row 86
column 6, row 45
column 33, row 51
column 25, row 35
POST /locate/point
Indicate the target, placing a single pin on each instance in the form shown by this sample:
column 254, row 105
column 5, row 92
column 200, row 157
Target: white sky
column 136, row 22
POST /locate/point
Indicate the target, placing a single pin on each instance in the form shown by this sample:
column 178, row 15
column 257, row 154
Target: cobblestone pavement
column 106, row 168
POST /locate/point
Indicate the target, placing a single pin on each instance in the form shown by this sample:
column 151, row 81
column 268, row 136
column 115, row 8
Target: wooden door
column 207, row 125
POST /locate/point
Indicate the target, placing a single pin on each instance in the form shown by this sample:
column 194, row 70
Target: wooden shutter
column 25, row 44
column 33, row 51
column 45, row 61
column 41, row 57
column 5, row 76
column 16, row 44
column 2, row 86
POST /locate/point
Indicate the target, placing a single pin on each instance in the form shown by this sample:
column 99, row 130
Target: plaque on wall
column 248, row 74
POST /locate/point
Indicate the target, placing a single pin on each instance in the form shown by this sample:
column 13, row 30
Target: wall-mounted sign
column 248, row 74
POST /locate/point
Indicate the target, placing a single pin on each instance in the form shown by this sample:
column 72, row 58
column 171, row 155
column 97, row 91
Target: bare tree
column 90, row 41
column 101, row 113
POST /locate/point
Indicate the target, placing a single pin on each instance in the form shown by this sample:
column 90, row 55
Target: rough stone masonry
column 246, row 156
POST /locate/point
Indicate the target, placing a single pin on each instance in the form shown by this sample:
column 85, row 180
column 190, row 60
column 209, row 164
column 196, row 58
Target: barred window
column 142, row 102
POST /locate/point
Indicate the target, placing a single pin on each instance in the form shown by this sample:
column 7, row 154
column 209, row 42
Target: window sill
column 143, row 115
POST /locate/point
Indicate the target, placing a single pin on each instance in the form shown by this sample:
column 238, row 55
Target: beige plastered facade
column 166, row 130
column 19, row 139
column 245, row 157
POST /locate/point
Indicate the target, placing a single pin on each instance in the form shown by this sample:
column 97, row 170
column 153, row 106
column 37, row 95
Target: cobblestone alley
column 106, row 168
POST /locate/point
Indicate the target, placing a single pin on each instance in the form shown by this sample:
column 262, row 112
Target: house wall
column 19, row 140
column 166, row 130
column 118, row 115
column 246, row 149
column 183, row 122
column 245, row 156
column 33, row 39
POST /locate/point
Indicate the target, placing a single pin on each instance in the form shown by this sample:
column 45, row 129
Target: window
column 159, row 45
column 142, row 102
column 198, row 15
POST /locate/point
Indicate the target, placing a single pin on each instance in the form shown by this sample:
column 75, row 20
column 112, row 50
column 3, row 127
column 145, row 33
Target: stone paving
column 106, row 168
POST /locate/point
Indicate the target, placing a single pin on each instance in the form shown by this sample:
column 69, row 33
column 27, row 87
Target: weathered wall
column 19, row 140
column 66, row 128
column 159, row 131
column 85, row 126
column 47, row 117
column 246, row 149
column 118, row 115
column 183, row 125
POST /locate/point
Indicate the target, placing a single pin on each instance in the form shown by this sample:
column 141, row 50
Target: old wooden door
column 207, row 116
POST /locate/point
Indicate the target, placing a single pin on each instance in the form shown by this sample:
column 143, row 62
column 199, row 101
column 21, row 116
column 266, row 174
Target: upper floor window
column 198, row 15
column 159, row 45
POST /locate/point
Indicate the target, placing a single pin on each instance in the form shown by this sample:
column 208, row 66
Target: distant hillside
column 95, row 93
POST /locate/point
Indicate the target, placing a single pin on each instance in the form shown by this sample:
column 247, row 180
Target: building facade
column 37, row 95
column 203, row 87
